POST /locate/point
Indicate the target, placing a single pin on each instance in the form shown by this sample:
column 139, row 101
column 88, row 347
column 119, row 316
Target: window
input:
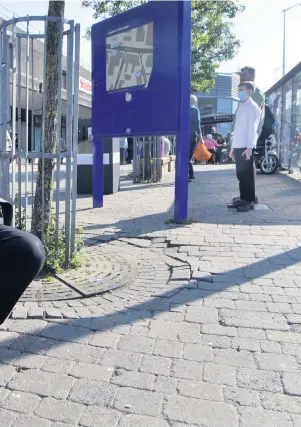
column 64, row 80
column 224, row 105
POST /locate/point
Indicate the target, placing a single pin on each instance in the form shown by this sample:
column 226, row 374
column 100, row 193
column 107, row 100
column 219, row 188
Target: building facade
column 36, row 88
column 222, row 99
column 284, row 100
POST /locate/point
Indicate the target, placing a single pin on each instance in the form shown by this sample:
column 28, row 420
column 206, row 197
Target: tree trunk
column 40, row 220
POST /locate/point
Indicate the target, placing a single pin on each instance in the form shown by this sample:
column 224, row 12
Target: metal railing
column 23, row 112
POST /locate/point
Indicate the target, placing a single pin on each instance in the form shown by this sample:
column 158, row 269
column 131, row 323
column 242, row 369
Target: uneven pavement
column 206, row 333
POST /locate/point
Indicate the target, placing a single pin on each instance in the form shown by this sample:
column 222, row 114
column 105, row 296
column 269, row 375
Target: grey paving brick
column 92, row 372
column 156, row 365
column 219, row 330
column 259, row 380
column 18, row 401
column 200, row 390
column 219, row 303
column 276, row 362
column 60, row 411
column 281, row 403
column 271, row 347
column 139, row 401
column 201, row 412
column 232, row 357
column 42, row 383
column 36, row 313
column 19, row 313
column 166, row 385
column 6, row 374
column 132, row 420
column 31, row 421
column 137, row 344
column 198, row 352
column 140, row 380
column 252, row 319
column 256, row 417
column 168, row 348
column 201, row 314
column 76, row 352
column 241, row 396
column 296, row 420
column 245, row 344
column 99, row 417
column 250, row 305
column 33, row 344
column 3, row 394
column 187, row 370
column 53, row 313
column 184, row 332
column 256, row 334
column 57, row 366
column 292, row 383
column 104, row 339
column 289, row 337
column 216, row 341
column 7, row 417
column 218, row 374
column 7, row 338
column 121, row 359
column 30, row 361
column 90, row 392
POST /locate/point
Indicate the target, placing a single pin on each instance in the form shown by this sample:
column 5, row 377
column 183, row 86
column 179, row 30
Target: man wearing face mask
column 248, row 74
column 244, row 141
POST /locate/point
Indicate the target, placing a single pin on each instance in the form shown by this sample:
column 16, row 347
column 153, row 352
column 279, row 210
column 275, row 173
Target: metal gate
column 24, row 156
column 147, row 159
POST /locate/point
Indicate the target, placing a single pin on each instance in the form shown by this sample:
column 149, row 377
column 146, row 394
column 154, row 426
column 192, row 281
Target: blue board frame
column 153, row 110
column 160, row 109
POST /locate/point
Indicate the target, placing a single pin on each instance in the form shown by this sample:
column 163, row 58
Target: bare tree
column 40, row 219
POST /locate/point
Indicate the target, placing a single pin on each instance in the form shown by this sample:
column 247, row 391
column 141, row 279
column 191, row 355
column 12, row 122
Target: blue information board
column 136, row 71
column 141, row 84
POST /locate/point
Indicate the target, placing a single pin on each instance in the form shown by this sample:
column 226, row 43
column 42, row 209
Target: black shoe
column 245, row 207
column 235, row 199
column 235, row 204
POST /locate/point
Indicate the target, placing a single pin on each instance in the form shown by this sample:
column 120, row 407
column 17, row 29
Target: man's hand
column 247, row 153
column 200, row 140
column 231, row 154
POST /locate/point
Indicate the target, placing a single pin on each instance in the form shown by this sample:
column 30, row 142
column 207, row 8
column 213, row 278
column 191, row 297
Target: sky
column 259, row 28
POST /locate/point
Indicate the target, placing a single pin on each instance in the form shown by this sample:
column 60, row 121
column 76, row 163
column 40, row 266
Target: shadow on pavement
column 78, row 330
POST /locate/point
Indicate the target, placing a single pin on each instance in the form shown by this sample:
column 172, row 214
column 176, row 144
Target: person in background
column 211, row 146
column 123, row 150
column 165, row 146
column 130, row 150
column 248, row 74
column 195, row 132
column 244, row 142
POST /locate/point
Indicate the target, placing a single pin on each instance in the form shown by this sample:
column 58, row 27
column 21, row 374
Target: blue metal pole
column 183, row 137
column 98, row 173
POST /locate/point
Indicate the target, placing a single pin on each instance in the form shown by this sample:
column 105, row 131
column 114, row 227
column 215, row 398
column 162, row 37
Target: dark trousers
column 21, row 259
column 191, row 151
column 245, row 172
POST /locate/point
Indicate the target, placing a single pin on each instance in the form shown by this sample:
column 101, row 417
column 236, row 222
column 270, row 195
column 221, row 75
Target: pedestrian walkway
column 206, row 331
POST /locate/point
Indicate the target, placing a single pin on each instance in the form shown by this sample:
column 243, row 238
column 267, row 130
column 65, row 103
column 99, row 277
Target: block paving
column 207, row 333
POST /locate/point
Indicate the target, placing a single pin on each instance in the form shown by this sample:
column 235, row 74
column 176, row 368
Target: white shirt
column 247, row 120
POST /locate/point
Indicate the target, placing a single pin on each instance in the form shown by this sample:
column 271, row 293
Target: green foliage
column 213, row 40
column 55, row 253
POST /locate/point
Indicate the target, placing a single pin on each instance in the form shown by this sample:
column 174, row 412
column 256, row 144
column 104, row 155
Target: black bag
column 7, row 212
column 267, row 128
